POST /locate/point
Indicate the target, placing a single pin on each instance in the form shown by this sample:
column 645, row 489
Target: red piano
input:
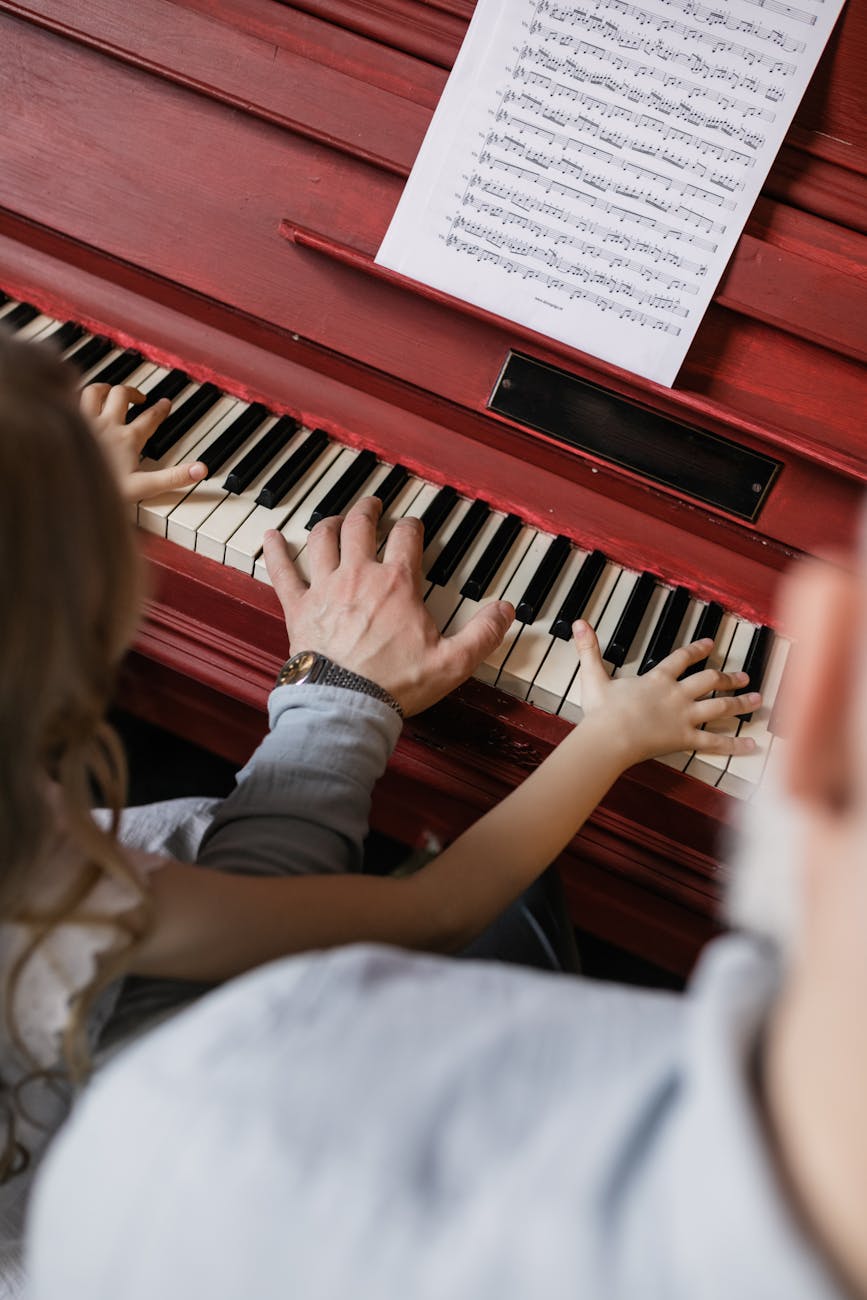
column 195, row 191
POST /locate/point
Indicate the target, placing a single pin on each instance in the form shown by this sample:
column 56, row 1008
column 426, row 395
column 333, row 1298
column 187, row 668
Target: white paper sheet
column 589, row 168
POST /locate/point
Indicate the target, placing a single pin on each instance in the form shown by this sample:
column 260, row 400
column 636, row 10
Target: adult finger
column 358, row 533
column 477, row 639
column 405, row 544
column 144, row 484
column 285, row 578
column 119, row 400
column 92, row 398
column 323, row 548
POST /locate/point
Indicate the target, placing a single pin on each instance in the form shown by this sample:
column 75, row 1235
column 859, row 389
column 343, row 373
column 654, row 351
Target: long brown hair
column 69, row 600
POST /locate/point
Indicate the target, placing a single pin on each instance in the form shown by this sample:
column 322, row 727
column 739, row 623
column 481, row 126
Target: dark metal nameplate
column 695, row 463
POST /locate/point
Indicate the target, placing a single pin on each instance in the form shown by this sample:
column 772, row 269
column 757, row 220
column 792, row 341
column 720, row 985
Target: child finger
column 147, row 422
column 92, row 398
column 587, row 645
column 119, row 400
column 711, row 679
column 685, row 656
column 726, row 706
column 711, row 742
column 144, row 484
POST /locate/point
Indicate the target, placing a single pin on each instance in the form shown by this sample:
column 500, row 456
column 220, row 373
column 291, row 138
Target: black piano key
column 578, row 595
column 543, row 580
column 268, row 446
column 169, row 386
column 458, row 544
column 391, row 485
column 231, row 439
column 491, row 558
column 630, row 620
column 90, row 353
column 662, row 640
column 20, row 316
column 181, row 421
column 63, row 338
column 755, row 663
column 119, row 369
column 295, row 467
column 350, row 481
column 707, row 626
column 4, row 298
column 438, row 512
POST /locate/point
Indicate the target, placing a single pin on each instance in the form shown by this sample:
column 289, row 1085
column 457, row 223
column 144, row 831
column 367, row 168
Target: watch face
column 300, row 667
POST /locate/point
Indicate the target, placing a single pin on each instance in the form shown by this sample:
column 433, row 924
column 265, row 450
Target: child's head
column 69, row 596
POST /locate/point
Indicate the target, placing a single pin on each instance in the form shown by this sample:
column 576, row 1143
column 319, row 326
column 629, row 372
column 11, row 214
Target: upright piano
column 194, row 192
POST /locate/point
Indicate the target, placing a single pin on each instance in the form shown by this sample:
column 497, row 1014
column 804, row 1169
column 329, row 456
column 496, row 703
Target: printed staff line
column 573, row 291
column 698, row 219
column 527, row 203
column 712, row 17
column 502, row 238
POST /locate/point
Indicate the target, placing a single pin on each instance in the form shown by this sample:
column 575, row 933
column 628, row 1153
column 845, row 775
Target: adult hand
column 105, row 407
column 368, row 616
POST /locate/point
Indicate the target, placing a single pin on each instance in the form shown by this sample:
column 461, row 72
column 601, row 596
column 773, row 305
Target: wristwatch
column 309, row 666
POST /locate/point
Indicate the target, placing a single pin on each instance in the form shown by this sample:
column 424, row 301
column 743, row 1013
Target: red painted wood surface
column 148, row 162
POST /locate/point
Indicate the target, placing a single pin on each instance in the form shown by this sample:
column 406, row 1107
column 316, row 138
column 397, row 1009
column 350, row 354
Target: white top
column 60, row 968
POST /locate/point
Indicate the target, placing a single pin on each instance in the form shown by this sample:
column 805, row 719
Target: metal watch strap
column 329, row 673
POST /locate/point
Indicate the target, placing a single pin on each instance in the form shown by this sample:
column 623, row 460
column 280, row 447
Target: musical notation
column 599, row 159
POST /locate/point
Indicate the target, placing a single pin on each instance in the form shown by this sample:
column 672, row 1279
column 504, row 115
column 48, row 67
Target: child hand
column 658, row 714
column 105, row 407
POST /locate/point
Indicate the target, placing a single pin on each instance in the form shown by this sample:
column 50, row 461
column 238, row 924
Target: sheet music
column 590, row 167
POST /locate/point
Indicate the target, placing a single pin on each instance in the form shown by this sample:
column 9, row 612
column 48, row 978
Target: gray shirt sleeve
column 302, row 802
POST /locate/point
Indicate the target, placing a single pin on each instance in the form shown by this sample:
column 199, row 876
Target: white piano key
column 40, row 326
column 153, row 513
column 595, row 613
column 442, row 602
column 244, row 548
column 499, row 583
column 215, row 531
column 8, row 307
column 744, row 772
column 190, row 514
column 294, row 529
column 532, row 558
column 89, row 375
column 560, row 664
column 529, row 651
column 400, row 506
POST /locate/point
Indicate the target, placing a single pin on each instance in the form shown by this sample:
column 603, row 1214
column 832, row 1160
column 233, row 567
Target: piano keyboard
column 269, row 471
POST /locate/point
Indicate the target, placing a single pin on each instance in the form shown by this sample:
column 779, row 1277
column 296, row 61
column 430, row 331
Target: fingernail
column 198, row 470
column 579, row 627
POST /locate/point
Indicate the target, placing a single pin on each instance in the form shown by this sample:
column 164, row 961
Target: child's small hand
column 105, row 407
column 658, row 714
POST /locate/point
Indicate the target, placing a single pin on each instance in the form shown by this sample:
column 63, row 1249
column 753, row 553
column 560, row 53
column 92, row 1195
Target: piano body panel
column 189, row 136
